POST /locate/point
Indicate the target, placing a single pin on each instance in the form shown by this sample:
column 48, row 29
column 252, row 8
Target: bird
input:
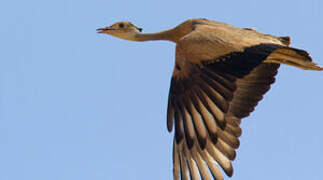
column 220, row 74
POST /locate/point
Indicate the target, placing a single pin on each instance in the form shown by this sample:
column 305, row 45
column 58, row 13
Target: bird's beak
column 103, row 30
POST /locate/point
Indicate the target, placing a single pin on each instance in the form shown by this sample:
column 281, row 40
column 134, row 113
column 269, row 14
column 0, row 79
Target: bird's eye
column 121, row 25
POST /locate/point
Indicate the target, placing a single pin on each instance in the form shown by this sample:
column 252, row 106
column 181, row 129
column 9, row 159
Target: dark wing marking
column 207, row 105
column 251, row 89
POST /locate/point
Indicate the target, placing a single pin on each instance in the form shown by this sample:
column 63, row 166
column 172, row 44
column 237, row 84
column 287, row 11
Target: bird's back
column 210, row 39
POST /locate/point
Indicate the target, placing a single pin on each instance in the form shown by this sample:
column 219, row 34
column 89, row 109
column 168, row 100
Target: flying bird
column 221, row 72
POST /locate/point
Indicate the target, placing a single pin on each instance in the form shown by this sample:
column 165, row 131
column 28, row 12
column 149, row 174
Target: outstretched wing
column 207, row 102
column 220, row 75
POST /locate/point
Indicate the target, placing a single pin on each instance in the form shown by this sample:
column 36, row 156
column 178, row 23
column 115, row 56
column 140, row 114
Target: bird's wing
column 207, row 101
column 221, row 73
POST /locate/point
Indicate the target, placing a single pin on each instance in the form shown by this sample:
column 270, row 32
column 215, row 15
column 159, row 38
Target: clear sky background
column 77, row 105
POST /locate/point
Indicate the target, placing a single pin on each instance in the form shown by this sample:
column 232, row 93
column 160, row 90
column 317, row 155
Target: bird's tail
column 294, row 57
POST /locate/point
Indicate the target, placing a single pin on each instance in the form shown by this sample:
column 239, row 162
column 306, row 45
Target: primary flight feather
column 221, row 73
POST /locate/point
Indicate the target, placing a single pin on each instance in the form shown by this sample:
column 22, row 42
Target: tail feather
column 294, row 57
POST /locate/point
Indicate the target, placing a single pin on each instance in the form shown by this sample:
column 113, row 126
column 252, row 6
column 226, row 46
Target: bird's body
column 221, row 72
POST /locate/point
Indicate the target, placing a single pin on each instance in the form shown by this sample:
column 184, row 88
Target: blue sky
column 75, row 104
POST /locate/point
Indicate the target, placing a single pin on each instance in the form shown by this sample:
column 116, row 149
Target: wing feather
column 199, row 125
column 225, row 149
column 205, row 112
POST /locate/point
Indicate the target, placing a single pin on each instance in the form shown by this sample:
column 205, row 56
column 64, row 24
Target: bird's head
column 124, row 30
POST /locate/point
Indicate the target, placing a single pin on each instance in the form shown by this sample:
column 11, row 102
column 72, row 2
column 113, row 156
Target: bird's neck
column 168, row 35
column 174, row 34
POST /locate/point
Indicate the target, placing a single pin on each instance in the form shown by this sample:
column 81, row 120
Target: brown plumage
column 221, row 73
